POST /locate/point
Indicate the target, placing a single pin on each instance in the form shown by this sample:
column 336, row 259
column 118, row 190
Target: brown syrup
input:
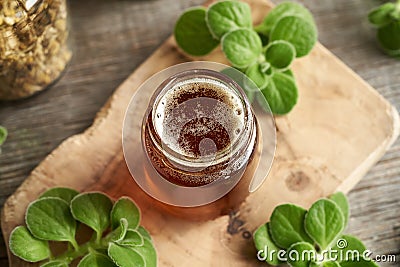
column 212, row 127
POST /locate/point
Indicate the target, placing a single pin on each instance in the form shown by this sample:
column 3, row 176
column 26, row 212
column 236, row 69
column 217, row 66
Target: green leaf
column 350, row 247
column 281, row 93
column 51, row 219
column 148, row 253
column 283, row 10
column 225, row 16
column 144, row 233
column 380, row 16
column 392, row 53
column 395, row 14
column 301, row 254
column 280, row 54
column 192, row 34
column 289, row 73
column 256, row 73
column 92, row 209
column 264, row 38
column 287, row 225
column 262, row 101
column 242, row 80
column 250, row 96
column 96, row 260
column 132, row 239
column 64, row 193
column 54, row 264
column 389, row 36
column 330, row 264
column 299, row 32
column 325, row 264
column 341, row 200
column 361, row 263
column 125, row 208
column 125, row 257
column 263, row 241
column 24, row 245
column 324, row 222
column 241, row 47
column 3, row 135
column 120, row 232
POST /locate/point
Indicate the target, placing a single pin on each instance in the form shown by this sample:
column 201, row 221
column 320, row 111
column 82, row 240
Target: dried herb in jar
column 34, row 47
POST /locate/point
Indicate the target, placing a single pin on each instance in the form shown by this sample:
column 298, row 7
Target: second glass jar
column 34, row 47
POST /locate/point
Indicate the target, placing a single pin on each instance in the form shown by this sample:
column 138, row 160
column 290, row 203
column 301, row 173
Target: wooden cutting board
column 339, row 129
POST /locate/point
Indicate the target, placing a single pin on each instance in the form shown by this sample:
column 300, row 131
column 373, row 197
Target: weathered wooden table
column 112, row 37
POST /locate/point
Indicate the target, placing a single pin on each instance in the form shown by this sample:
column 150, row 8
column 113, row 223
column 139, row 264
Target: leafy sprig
column 386, row 18
column 311, row 235
column 264, row 52
column 118, row 239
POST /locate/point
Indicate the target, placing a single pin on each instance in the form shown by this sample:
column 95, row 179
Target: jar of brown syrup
column 192, row 141
column 199, row 133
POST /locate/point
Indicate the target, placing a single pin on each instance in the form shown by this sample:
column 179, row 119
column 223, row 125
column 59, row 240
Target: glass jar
column 199, row 128
column 34, row 48
column 193, row 143
column 200, row 135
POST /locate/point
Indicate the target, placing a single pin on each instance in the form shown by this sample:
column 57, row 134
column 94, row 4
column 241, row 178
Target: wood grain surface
column 38, row 124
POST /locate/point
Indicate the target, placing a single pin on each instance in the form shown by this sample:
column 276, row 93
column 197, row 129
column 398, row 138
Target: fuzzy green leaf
column 125, row 208
column 392, row 53
column 389, row 37
column 341, row 200
column 125, row 257
column 330, row 264
column 148, row 253
column 350, row 247
column 24, row 245
column 243, row 81
column 55, row 264
column 241, row 47
column 92, row 209
column 144, row 233
column 132, row 239
column 3, row 135
column 301, row 254
column 225, row 16
column 263, row 241
column 280, row 54
column 264, row 38
column 289, row 73
column 96, row 260
column 281, row 93
column 64, row 193
column 361, row 263
column 120, row 232
column 283, row 10
column 51, row 219
column 380, row 16
column 299, row 32
column 192, row 34
column 257, row 74
column 287, row 225
column 324, row 222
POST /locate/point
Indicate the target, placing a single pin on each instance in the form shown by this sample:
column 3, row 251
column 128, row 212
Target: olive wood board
column 340, row 128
